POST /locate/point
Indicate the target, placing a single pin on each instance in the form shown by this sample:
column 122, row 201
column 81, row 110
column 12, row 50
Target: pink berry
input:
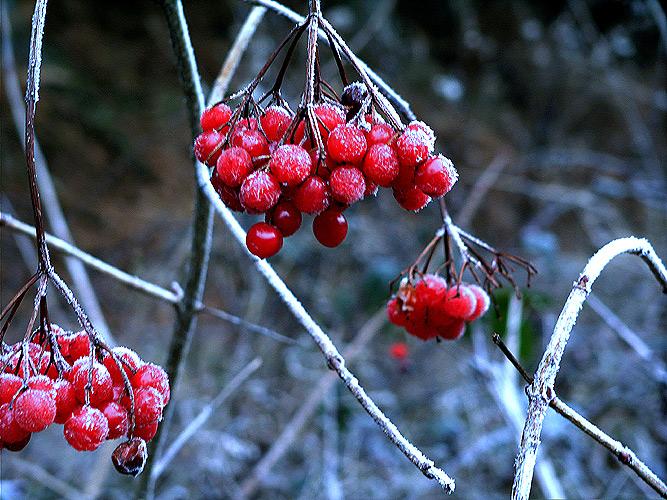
column 347, row 184
column 312, row 197
column 260, row 191
column 381, row 165
column 150, row 375
column 264, row 240
column 347, row 144
column 330, row 227
column 412, row 199
column 233, row 165
column 412, row 148
column 286, row 217
column 117, row 418
column 436, row 176
column 34, row 410
column 275, row 122
column 215, row 117
column 206, row 147
column 86, row 429
column 290, row 164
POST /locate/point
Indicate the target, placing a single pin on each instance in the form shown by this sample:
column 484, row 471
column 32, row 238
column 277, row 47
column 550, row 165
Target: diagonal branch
column 541, row 391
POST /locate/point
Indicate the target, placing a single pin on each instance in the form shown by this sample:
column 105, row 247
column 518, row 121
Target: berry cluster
column 272, row 164
column 429, row 308
column 91, row 396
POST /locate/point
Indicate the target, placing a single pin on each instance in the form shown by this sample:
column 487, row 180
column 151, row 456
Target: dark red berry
column 86, row 429
column 381, row 165
column 347, row 184
column 233, row 165
column 436, row 176
column 229, row 196
column 264, row 240
column 286, row 217
column 347, row 144
column 18, row 445
column 215, row 117
column 330, row 227
column 312, row 197
column 290, row 164
column 260, row 191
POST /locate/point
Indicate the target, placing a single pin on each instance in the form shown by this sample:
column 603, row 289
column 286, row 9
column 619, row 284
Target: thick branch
column 541, row 391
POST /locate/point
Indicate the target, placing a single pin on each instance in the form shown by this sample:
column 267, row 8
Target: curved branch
column 541, row 391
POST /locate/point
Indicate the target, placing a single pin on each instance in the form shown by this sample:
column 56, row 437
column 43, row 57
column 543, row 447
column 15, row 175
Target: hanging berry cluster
column 101, row 397
column 320, row 159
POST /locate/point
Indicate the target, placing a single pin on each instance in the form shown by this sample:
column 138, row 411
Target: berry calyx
column 264, row 240
column 330, row 227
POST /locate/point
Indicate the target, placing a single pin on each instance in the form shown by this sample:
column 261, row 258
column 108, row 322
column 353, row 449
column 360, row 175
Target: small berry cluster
column 272, row 165
column 91, row 397
column 429, row 308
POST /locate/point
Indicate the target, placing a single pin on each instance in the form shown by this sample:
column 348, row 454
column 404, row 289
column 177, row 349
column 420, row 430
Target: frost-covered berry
column 260, row 191
column 215, row 117
column 482, row 304
column 460, row 302
column 347, row 184
column 75, row 346
column 148, row 406
column 146, row 432
column 86, row 429
column 129, row 360
column 290, row 164
column 421, row 127
column 129, row 457
column 264, row 240
column 395, row 312
column 412, row 148
column 330, row 227
column 9, row 386
column 275, row 122
column 101, row 388
column 117, row 418
column 233, row 165
column 381, row 165
column 347, row 144
column 206, row 147
column 328, row 118
column 286, row 217
column 66, row 401
column 41, row 383
column 151, row 375
column 380, row 133
column 312, row 197
column 412, row 199
column 10, row 430
column 436, row 176
column 34, row 410
column 253, row 141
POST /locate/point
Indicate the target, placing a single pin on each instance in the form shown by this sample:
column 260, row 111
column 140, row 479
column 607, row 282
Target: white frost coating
column 541, row 390
column 334, row 358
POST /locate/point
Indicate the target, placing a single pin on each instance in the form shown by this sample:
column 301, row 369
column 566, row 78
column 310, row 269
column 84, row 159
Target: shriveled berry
column 253, row 141
column 206, row 147
column 482, row 304
column 380, row 133
column 286, row 217
column 117, row 418
column 10, row 430
column 233, row 165
column 330, row 227
column 290, row 164
column 264, row 240
column 260, row 191
column 312, row 197
column 413, row 198
column 436, row 176
column 275, row 122
column 86, row 429
column 66, row 401
column 381, row 165
column 34, row 410
column 347, row 144
column 412, row 148
column 215, row 117
column 151, row 375
column 9, row 386
column 347, row 184
column 129, row 457
column 101, row 388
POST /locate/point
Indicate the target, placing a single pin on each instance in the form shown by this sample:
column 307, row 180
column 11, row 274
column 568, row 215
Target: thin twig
column 48, row 480
column 541, row 391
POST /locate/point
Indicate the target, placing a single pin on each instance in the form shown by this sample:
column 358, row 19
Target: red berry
column 77, row 345
column 46, row 366
column 34, row 410
column 86, row 429
column 253, row 141
column 9, row 386
column 118, row 419
column 206, row 147
column 150, row 375
column 215, row 117
column 146, row 432
column 42, row 383
column 233, row 165
column 371, row 189
column 148, row 405
column 10, row 430
column 286, row 217
column 275, row 122
column 421, row 127
column 229, row 196
column 312, row 197
column 482, row 304
column 129, row 457
column 381, row 165
column 395, row 313
column 452, row 329
column 66, row 401
column 17, row 446
column 399, row 350
column 330, row 227
column 290, row 164
column 347, row 184
column 129, row 360
column 412, row 148
column 436, row 176
column 413, row 199
column 347, row 144
column 328, row 118
column 380, row 133
column 101, row 389
column 460, row 302
column 260, row 191
column 264, row 240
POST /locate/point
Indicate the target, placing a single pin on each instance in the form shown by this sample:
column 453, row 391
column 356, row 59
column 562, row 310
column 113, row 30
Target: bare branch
column 541, row 391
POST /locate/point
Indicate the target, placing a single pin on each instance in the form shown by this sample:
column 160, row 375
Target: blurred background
column 553, row 112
